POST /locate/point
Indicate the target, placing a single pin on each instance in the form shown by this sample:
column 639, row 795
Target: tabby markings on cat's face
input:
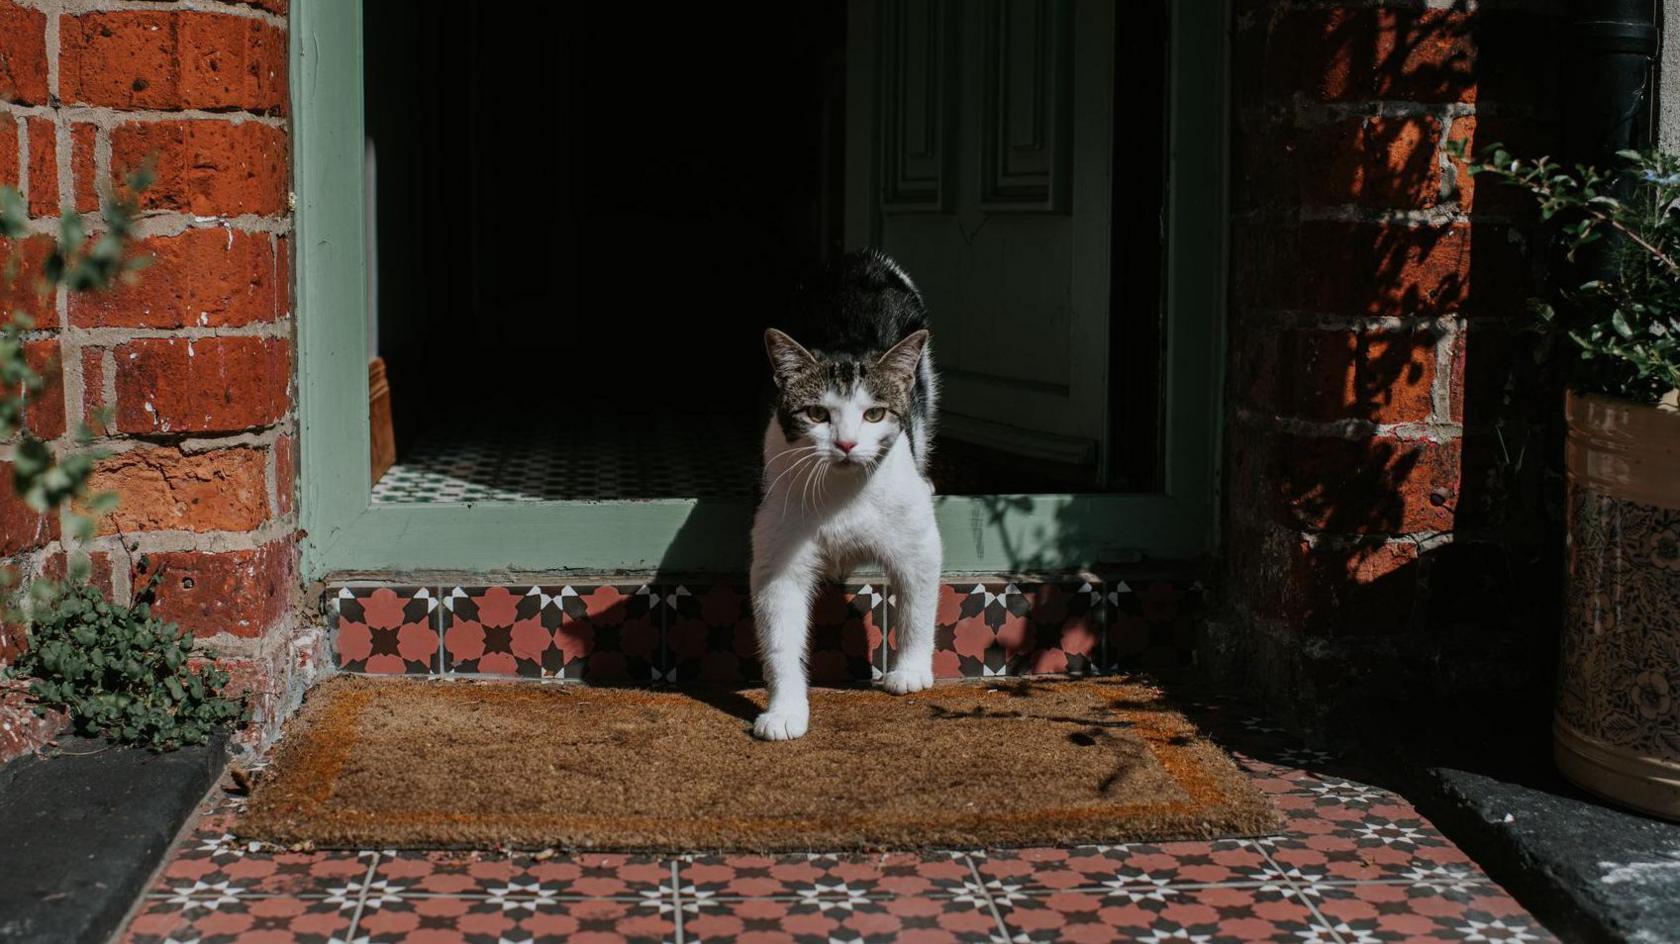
column 850, row 411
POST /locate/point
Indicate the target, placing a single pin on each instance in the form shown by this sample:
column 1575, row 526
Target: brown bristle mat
column 398, row 763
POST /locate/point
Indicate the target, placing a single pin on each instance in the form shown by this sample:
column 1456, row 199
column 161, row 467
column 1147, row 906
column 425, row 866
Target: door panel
column 979, row 146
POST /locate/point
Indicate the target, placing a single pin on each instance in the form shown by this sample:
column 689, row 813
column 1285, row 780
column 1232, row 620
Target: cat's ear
column 901, row 361
column 787, row 357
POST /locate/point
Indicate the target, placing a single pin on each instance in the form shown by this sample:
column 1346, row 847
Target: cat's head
column 846, row 410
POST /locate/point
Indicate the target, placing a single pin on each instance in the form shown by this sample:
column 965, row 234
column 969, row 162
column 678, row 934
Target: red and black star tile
column 385, row 630
column 607, row 633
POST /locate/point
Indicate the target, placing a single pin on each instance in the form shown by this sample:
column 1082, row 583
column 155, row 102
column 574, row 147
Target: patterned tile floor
column 676, row 456
column 1353, row 864
column 639, row 456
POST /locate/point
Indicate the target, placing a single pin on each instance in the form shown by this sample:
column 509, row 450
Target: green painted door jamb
column 345, row 532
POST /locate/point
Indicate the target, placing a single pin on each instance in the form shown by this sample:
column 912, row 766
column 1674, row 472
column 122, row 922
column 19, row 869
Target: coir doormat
column 400, row 763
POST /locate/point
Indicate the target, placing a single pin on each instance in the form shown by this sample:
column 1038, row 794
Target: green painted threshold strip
column 992, row 533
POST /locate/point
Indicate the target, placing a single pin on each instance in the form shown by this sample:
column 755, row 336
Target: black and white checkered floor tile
column 682, row 457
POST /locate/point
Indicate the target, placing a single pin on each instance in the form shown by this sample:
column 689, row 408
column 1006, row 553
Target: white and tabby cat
column 845, row 475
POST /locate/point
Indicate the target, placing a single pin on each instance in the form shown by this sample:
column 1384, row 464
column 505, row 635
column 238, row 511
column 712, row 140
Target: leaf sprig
column 1624, row 324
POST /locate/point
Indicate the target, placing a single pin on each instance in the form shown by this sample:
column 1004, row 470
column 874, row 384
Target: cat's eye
column 816, row 414
column 875, row 414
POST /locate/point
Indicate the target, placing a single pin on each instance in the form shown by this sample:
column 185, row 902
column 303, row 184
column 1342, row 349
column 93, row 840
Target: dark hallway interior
column 582, row 218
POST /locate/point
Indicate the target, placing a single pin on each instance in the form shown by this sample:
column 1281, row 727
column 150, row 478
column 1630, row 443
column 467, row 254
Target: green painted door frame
column 346, row 533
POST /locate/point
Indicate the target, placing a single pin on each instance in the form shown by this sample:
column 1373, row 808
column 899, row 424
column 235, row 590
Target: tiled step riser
column 692, row 632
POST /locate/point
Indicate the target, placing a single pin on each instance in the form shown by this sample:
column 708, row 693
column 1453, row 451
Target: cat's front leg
column 913, row 570
column 781, row 595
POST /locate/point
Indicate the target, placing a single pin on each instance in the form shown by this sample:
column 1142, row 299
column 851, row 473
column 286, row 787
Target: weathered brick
column 43, row 413
column 285, row 475
column 241, row 593
column 56, row 567
column 165, row 489
column 1381, row 376
column 1334, row 374
column 1365, row 486
column 207, row 167
column 1387, row 162
column 1380, row 269
column 82, row 168
column 1339, row 55
column 11, row 154
column 21, row 529
column 23, row 54
column 1369, row 161
column 1385, row 53
column 22, row 280
column 43, row 168
column 1360, row 589
column 203, row 277
column 208, row 385
column 172, row 60
column 1326, row 587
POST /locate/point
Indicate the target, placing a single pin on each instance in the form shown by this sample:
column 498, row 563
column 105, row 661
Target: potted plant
column 1616, row 728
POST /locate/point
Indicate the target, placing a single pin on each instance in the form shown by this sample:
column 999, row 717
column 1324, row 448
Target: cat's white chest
column 895, row 497
column 846, row 520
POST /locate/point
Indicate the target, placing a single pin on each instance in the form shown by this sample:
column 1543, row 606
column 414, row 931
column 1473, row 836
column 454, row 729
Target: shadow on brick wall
column 1392, row 444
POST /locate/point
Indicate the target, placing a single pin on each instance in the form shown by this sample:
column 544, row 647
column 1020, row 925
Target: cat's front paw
column 781, row 725
column 905, row 681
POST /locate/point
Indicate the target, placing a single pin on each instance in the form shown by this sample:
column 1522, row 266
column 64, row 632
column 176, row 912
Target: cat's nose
column 844, row 446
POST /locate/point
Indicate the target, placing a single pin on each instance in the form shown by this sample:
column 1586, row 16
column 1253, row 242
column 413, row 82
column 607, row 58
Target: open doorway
column 581, row 219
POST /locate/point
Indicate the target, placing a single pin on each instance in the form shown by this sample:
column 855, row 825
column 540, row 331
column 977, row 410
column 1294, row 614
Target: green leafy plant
column 1624, row 323
column 121, row 672
column 116, row 668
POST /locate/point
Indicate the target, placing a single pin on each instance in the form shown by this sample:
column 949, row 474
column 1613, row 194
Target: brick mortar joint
column 170, row 223
column 275, row 641
column 225, row 7
column 108, row 118
column 23, row 181
column 280, row 328
column 1345, row 540
column 1447, row 323
column 124, row 550
column 1351, row 429
column 1441, row 215
column 1301, row 111
column 1349, row 540
column 1462, row 6
column 1293, row 213
column 175, row 541
column 260, row 438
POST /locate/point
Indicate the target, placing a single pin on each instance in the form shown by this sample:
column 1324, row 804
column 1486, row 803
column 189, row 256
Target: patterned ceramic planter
column 1617, row 726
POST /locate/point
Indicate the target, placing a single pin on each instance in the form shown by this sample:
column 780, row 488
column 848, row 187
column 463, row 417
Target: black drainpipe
column 1609, row 79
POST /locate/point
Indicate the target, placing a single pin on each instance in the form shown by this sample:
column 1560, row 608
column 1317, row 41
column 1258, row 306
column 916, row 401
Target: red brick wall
column 1383, row 433
column 194, row 360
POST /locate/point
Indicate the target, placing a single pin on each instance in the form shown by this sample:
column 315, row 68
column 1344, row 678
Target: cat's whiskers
column 791, row 449
column 819, row 472
column 805, row 483
column 803, row 460
column 812, row 454
column 813, row 482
